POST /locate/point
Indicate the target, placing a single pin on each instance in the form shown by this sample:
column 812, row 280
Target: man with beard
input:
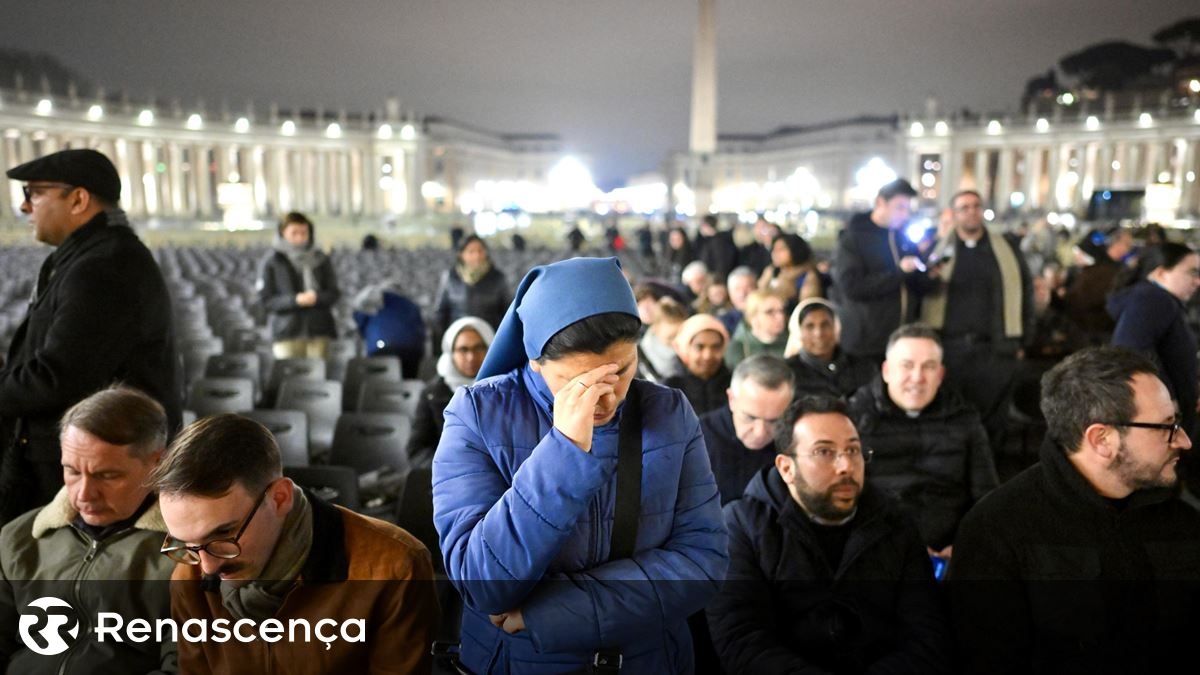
column 825, row 574
column 1087, row 562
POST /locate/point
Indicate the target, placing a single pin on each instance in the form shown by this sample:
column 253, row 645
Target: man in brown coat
column 280, row 581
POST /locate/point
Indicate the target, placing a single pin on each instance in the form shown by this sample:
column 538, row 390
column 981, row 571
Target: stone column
column 1002, row 197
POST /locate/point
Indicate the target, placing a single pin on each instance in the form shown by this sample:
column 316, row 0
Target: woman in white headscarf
column 464, row 344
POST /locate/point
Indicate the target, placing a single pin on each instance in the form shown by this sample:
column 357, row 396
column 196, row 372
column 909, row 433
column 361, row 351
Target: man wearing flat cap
column 99, row 313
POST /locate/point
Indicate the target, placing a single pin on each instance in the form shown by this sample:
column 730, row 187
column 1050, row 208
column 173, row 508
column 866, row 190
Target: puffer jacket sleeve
column 497, row 541
column 625, row 600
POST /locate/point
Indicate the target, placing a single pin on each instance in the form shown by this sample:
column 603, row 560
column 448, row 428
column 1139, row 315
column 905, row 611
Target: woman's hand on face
column 575, row 403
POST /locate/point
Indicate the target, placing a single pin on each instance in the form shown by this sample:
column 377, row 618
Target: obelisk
column 703, row 138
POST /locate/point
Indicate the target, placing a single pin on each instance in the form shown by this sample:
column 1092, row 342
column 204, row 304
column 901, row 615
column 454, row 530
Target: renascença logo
column 46, row 624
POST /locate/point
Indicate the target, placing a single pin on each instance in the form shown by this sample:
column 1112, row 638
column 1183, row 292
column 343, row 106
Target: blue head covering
column 550, row 298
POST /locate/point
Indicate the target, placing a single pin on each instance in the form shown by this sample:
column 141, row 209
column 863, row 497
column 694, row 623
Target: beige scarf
column 933, row 308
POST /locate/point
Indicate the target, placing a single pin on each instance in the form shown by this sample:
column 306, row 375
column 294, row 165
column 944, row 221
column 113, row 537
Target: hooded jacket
column 45, row 553
column 525, row 517
column 278, row 284
column 937, row 464
column 1049, row 577
column 784, row 609
column 1152, row 321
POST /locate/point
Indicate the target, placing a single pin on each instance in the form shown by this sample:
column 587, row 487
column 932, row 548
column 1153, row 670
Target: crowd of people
column 763, row 460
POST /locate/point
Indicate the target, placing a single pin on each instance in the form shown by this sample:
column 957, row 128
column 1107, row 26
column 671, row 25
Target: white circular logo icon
column 46, row 624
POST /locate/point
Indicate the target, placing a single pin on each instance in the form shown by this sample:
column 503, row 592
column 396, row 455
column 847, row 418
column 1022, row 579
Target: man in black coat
column 877, row 272
column 825, row 575
column 931, row 450
column 99, row 314
column 740, row 435
column 716, row 249
column 1086, row 562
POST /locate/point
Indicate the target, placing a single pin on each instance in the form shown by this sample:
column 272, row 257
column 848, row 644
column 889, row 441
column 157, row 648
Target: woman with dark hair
column 297, row 287
column 473, row 287
column 576, row 511
column 679, row 253
column 1151, row 318
column 791, row 274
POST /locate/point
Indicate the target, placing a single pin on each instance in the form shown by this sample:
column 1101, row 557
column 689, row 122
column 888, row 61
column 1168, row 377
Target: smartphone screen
column 939, row 567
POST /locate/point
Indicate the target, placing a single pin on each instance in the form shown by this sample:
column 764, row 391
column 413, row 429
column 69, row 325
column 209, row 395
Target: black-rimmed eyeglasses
column 30, row 190
column 226, row 549
column 1173, row 427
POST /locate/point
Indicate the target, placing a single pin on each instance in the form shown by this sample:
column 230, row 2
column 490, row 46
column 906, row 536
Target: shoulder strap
column 629, row 479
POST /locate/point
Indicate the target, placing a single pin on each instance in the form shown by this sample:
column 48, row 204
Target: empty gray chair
column 386, row 396
column 195, row 353
column 236, row 364
column 215, row 395
column 414, row 511
column 335, row 484
column 369, row 441
column 363, row 368
column 290, row 429
column 321, row 400
column 307, row 369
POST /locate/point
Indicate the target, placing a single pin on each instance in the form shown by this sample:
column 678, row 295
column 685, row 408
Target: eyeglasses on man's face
column 31, row 190
column 830, row 456
column 1172, row 428
column 225, row 549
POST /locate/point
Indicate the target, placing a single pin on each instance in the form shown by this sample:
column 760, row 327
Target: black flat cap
column 87, row 169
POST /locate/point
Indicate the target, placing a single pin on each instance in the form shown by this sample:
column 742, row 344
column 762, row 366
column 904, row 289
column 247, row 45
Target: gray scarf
column 261, row 599
column 305, row 259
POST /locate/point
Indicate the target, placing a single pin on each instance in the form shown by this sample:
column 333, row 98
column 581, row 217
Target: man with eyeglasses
column 982, row 304
column 253, row 546
column 99, row 312
column 931, row 450
column 825, row 575
column 95, row 546
column 1087, row 562
column 740, row 435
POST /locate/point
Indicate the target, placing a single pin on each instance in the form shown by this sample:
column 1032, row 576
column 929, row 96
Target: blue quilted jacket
column 525, row 517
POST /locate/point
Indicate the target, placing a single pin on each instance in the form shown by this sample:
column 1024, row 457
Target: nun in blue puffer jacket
column 525, row 491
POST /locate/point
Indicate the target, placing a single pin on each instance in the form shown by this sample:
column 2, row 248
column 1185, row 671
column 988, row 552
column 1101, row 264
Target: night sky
column 612, row 77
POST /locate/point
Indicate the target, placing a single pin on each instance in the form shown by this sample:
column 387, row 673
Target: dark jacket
column 1048, row 577
column 937, row 464
column 755, row 256
column 359, row 568
column 875, row 296
column 719, row 254
column 487, row 299
column 1085, row 297
column 278, row 284
column 733, row 464
column 784, row 609
column 428, row 422
column 102, row 315
column 841, row 377
column 704, row 395
column 1152, row 321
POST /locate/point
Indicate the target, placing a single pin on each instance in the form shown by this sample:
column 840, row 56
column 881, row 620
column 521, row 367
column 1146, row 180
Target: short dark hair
column 1165, row 255
column 121, row 415
column 896, row 188
column 963, row 193
column 916, row 330
column 462, row 244
column 1090, row 386
column 766, row 370
column 593, row 335
column 810, row 404
column 210, row 455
